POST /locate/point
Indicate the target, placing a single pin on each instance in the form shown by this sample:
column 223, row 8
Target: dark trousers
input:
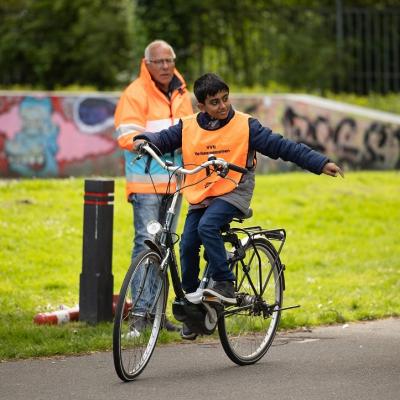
column 202, row 227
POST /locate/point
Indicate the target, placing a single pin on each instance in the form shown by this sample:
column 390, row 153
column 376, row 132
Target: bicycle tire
column 247, row 329
column 136, row 330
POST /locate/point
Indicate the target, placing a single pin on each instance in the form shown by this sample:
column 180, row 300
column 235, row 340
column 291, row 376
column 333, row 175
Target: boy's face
column 216, row 106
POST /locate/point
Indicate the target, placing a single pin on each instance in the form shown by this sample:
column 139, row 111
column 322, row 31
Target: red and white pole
column 57, row 317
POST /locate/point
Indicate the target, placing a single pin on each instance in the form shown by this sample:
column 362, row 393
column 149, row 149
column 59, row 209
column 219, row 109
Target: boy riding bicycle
column 214, row 201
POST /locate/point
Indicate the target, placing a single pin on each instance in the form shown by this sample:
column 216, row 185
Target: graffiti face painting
column 32, row 151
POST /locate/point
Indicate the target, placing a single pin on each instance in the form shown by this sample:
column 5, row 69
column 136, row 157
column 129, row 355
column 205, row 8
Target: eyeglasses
column 160, row 63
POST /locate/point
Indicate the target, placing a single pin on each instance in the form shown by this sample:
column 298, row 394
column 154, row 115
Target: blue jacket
column 261, row 139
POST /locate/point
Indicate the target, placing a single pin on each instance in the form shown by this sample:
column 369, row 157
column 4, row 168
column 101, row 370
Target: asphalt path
column 351, row 361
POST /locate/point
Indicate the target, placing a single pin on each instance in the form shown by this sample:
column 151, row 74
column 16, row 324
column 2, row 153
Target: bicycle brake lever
column 140, row 152
column 222, row 171
column 138, row 157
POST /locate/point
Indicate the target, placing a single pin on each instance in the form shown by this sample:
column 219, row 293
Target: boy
column 213, row 202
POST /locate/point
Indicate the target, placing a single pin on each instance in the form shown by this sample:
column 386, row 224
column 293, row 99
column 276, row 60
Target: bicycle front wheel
column 139, row 315
column 247, row 329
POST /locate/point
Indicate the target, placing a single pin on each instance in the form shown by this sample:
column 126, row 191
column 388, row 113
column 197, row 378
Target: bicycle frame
column 167, row 251
column 167, row 245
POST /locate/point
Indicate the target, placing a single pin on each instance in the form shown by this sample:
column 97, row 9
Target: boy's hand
column 136, row 144
column 332, row 169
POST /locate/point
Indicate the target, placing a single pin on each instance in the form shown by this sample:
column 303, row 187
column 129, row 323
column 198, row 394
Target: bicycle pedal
column 211, row 299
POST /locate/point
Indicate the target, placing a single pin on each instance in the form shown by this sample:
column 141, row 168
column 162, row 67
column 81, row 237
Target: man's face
column 216, row 106
column 161, row 65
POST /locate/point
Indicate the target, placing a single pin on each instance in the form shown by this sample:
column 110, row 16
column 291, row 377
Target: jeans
column 202, row 226
column 147, row 207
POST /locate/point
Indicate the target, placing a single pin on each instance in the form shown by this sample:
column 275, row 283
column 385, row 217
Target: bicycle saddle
column 239, row 217
column 242, row 216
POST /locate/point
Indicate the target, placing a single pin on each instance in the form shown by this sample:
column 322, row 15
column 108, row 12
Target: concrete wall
column 59, row 135
column 355, row 137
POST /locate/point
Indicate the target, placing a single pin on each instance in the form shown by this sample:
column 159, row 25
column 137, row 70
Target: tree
column 248, row 42
column 51, row 43
column 55, row 43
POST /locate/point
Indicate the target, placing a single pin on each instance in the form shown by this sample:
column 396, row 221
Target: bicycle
column 246, row 329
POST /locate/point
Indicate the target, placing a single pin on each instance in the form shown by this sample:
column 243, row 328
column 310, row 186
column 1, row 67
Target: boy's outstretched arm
column 331, row 169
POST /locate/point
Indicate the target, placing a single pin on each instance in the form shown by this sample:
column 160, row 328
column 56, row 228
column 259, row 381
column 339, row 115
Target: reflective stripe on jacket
column 144, row 108
column 231, row 142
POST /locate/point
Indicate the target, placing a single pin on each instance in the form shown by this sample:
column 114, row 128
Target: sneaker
column 223, row 290
column 170, row 327
column 139, row 324
column 195, row 297
column 133, row 333
column 187, row 334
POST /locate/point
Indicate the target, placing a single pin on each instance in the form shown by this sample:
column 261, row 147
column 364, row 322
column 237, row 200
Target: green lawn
column 342, row 253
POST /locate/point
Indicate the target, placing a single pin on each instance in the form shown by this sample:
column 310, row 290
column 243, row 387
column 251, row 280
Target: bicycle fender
column 153, row 246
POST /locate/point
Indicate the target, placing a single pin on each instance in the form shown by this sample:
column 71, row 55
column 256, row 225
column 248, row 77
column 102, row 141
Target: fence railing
column 344, row 49
column 369, row 46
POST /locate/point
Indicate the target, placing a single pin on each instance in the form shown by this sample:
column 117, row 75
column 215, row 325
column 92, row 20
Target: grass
column 342, row 254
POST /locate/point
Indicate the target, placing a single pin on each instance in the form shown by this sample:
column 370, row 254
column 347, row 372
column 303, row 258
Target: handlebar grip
column 139, row 148
column 236, row 168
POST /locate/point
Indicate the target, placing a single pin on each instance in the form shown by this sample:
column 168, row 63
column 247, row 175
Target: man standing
column 157, row 99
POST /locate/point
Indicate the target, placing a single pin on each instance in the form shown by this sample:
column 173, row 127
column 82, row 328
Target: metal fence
column 369, row 49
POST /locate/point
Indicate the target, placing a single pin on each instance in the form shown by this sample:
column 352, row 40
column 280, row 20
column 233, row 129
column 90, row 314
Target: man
column 157, row 99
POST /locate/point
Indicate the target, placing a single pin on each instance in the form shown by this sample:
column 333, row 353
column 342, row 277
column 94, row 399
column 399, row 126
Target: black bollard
column 96, row 280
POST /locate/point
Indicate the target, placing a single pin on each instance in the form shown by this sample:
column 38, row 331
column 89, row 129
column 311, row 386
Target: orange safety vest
column 231, row 142
column 144, row 108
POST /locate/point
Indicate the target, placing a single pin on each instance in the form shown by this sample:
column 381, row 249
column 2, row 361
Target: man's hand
column 136, row 144
column 332, row 169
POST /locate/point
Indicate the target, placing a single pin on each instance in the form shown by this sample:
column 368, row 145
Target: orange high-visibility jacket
column 144, row 108
column 231, row 142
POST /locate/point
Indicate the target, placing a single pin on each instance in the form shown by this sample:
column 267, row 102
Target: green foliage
column 48, row 43
column 248, row 43
column 341, row 255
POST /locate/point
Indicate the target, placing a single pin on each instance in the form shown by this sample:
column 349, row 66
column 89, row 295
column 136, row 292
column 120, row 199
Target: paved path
column 355, row 361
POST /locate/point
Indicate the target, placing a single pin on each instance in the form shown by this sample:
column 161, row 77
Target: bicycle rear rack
column 256, row 231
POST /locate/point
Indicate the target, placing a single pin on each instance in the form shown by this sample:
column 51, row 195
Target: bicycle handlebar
column 236, row 168
column 146, row 148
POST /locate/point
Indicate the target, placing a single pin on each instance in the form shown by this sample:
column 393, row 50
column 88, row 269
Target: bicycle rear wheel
column 247, row 329
column 137, row 319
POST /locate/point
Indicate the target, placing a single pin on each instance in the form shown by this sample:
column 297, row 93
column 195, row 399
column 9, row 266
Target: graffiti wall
column 59, row 135
column 355, row 137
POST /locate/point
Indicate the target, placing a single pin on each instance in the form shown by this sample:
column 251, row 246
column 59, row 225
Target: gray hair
column 157, row 43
